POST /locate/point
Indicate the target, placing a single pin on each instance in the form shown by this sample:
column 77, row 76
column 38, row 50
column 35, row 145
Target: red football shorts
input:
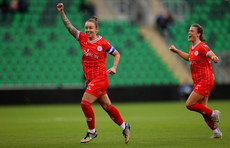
column 98, row 86
column 203, row 89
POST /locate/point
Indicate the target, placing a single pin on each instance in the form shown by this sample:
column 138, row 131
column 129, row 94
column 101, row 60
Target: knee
column 188, row 105
column 84, row 104
column 191, row 106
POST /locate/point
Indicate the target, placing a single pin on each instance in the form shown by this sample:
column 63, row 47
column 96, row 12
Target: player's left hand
column 112, row 71
column 215, row 59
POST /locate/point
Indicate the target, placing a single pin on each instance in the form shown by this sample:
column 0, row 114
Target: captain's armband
column 111, row 49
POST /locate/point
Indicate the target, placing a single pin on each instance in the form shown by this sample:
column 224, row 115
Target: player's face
column 193, row 34
column 90, row 30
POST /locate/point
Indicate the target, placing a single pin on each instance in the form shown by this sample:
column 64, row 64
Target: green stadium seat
column 49, row 55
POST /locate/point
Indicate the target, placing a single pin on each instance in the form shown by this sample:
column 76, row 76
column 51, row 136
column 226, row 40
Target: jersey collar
column 93, row 41
column 195, row 45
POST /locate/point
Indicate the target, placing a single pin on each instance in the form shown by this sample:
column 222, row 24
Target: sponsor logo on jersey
column 207, row 92
column 99, row 48
column 100, row 92
column 90, row 54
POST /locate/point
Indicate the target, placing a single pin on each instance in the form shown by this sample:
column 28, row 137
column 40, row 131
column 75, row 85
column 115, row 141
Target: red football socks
column 209, row 121
column 114, row 114
column 89, row 114
column 200, row 108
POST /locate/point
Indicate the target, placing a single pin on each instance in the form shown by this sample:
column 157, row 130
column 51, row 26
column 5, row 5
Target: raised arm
column 182, row 54
column 65, row 20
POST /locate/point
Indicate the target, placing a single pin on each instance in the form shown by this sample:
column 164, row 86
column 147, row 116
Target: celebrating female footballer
column 94, row 49
column 199, row 57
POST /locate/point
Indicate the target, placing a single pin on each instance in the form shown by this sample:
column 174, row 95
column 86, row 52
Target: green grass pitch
column 153, row 124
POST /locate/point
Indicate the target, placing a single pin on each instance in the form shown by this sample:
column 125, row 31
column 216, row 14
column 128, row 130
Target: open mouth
column 189, row 36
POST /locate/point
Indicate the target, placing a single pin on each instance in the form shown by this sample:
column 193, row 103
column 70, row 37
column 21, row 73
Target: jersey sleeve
column 205, row 50
column 80, row 35
column 108, row 47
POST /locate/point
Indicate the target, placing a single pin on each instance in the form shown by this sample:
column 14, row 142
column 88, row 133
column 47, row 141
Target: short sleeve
column 79, row 35
column 106, row 45
column 205, row 50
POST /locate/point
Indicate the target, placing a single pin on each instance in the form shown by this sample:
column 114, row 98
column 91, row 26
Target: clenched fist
column 173, row 48
column 215, row 59
column 60, row 7
column 112, row 71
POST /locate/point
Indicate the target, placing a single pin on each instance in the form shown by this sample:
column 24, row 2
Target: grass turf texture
column 153, row 124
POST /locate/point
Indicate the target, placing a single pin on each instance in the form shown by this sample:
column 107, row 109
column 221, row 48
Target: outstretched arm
column 116, row 55
column 182, row 54
column 65, row 20
column 213, row 57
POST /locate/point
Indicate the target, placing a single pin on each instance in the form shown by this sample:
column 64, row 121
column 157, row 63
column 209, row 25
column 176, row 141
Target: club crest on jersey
column 196, row 53
column 99, row 48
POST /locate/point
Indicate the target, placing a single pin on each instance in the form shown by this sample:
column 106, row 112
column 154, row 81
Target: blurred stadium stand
column 214, row 16
column 37, row 52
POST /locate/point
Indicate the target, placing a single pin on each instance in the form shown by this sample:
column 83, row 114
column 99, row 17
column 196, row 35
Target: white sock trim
column 213, row 113
column 217, row 130
column 92, row 130
column 122, row 126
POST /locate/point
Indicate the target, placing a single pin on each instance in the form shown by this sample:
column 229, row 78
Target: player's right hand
column 60, row 7
column 173, row 48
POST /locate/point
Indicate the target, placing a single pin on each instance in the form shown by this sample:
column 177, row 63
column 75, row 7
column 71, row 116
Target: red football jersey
column 94, row 56
column 200, row 64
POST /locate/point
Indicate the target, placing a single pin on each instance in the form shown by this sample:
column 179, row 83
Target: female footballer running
column 203, row 78
column 94, row 49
